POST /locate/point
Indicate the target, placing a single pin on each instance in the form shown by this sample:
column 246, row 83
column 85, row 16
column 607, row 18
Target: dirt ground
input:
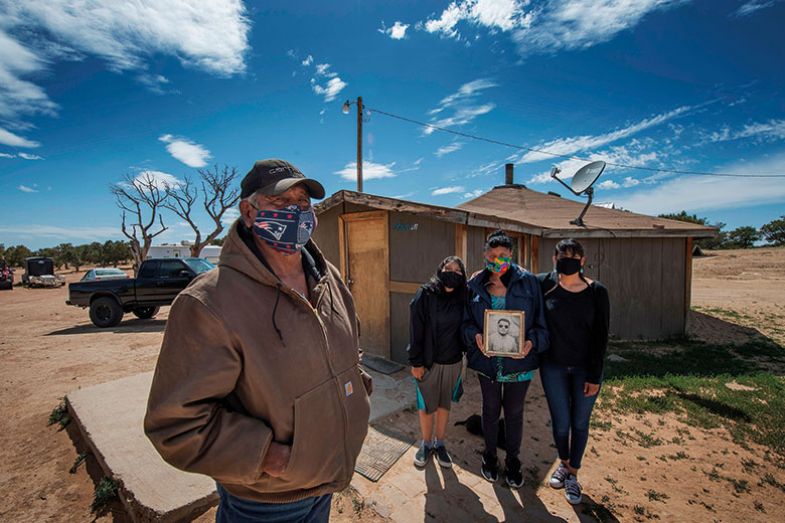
column 48, row 349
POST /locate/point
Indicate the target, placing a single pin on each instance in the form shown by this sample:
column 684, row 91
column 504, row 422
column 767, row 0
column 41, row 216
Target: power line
column 566, row 156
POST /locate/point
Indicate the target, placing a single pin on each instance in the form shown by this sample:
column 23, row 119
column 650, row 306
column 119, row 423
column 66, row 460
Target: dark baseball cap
column 273, row 176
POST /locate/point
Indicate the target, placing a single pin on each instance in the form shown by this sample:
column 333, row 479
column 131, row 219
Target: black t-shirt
column 449, row 317
column 578, row 326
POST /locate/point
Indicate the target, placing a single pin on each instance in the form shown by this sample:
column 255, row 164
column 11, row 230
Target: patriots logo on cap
column 277, row 229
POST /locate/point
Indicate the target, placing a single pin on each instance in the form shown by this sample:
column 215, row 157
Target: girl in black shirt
column 577, row 311
column 436, row 354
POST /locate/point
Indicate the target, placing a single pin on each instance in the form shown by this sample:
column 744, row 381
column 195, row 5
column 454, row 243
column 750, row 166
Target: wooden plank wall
column 646, row 280
column 326, row 234
column 417, row 246
column 475, row 243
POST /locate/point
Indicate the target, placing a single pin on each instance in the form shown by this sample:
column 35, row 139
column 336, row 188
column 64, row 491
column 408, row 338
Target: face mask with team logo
column 286, row 230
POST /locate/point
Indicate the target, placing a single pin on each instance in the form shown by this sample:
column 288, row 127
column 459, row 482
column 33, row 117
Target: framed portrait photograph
column 504, row 332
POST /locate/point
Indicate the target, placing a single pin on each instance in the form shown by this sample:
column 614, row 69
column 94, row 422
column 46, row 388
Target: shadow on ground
column 130, row 326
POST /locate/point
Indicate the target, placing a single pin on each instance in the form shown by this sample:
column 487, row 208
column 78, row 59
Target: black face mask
column 452, row 280
column 568, row 266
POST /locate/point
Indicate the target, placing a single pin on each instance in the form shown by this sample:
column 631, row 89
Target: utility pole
column 359, row 144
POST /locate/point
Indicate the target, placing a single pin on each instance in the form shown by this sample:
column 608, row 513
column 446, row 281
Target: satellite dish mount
column 582, row 184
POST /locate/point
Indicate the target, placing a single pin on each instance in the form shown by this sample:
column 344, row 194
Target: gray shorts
column 438, row 387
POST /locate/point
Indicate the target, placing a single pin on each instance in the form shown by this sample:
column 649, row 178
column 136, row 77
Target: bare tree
column 141, row 197
column 217, row 197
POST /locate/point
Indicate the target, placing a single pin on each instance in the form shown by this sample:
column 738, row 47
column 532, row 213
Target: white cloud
column 636, row 153
column 473, row 194
column 26, row 156
column 6, row 155
column 701, row 193
column 502, row 15
column 190, row 153
column 608, row 184
column 753, row 6
column 307, row 61
column 14, row 140
column 154, row 82
column 396, row 32
column 447, row 190
column 230, row 216
column 25, row 188
column 330, row 90
column 629, row 181
column 160, row 180
column 464, row 105
column 449, row 148
column 50, row 231
column 211, row 36
column 371, row 171
column 573, row 144
column 771, row 130
column 324, row 70
column 579, row 24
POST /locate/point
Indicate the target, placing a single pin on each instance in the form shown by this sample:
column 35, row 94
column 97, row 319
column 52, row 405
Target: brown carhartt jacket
column 226, row 384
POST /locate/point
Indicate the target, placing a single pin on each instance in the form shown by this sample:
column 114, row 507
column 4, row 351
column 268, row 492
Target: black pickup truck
column 158, row 282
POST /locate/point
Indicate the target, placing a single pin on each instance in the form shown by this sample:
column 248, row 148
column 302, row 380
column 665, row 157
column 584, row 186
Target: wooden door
column 365, row 266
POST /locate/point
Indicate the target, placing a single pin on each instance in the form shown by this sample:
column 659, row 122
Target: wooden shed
column 386, row 248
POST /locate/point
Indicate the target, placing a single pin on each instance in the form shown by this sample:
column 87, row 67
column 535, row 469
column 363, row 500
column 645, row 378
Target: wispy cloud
column 771, row 130
column 6, row 155
column 324, row 82
column 752, row 6
column 579, row 24
column 629, row 181
column 19, row 96
column 701, row 193
column 463, row 104
column 449, row 148
column 495, row 15
column 26, row 156
column 473, row 194
column 190, row 153
column 50, row 231
column 308, row 60
column 230, row 216
column 396, row 32
column 14, row 140
column 575, row 144
column 25, row 188
column 447, row 190
column 636, row 153
column 371, row 171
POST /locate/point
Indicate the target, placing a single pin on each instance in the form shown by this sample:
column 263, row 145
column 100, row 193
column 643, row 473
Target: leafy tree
column 742, row 238
column 774, row 231
column 15, row 256
column 717, row 242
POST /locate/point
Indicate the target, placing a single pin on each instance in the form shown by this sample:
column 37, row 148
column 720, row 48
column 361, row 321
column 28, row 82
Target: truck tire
column 145, row 313
column 105, row 312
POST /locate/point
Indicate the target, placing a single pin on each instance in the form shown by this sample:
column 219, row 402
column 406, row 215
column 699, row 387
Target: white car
column 104, row 273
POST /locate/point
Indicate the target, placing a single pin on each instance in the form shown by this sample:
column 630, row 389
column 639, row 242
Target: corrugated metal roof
column 515, row 208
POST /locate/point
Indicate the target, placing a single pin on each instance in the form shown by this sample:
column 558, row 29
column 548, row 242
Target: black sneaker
column 490, row 469
column 422, row 456
column 513, row 474
column 442, row 456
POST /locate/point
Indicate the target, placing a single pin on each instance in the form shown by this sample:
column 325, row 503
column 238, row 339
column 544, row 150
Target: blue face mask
column 286, row 230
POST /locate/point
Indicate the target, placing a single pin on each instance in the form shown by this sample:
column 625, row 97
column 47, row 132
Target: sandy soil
column 49, row 349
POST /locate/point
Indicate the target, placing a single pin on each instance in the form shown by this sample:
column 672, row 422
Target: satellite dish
column 582, row 182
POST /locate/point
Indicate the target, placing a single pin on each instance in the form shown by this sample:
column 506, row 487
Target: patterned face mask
column 499, row 264
column 286, row 230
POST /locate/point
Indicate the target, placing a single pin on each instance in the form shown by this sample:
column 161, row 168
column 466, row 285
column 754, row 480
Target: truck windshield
column 199, row 265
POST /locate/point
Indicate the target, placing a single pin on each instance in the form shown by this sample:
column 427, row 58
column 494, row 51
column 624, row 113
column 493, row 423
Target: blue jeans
column 232, row 509
column 570, row 410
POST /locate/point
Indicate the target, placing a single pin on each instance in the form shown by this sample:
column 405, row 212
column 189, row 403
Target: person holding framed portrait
column 505, row 332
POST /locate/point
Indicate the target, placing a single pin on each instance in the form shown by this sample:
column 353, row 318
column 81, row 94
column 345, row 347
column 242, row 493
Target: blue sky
column 90, row 91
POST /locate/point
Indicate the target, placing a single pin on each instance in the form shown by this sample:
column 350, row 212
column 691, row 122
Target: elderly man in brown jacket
column 258, row 383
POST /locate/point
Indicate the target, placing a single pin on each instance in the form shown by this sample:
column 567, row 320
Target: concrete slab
column 390, row 393
column 110, row 417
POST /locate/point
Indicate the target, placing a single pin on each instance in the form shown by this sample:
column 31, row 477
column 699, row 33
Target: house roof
column 515, row 208
column 553, row 214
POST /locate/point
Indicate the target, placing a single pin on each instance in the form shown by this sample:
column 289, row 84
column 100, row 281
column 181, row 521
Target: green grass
column 688, row 378
column 105, row 491
column 60, row 415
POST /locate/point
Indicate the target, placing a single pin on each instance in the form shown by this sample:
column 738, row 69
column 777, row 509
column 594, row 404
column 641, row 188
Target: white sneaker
column 558, row 477
column 572, row 490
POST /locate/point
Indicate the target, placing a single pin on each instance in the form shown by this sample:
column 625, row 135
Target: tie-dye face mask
column 499, row 264
column 286, row 230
